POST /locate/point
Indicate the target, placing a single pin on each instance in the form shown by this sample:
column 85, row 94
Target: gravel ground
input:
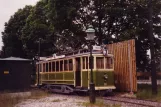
column 58, row 100
column 54, row 100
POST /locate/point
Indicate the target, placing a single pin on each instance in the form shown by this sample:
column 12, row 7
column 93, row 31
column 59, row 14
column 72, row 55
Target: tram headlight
column 105, row 77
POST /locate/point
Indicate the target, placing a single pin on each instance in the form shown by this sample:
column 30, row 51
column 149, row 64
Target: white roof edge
column 76, row 55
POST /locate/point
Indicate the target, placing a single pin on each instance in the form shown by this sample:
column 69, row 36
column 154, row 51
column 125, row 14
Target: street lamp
column 90, row 37
column 36, row 59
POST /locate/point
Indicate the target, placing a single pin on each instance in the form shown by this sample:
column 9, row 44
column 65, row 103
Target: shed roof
column 14, row 59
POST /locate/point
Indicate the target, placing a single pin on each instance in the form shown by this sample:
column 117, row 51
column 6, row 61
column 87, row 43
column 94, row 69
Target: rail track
column 128, row 102
column 133, row 102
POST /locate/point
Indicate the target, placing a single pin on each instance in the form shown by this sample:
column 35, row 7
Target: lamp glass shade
column 90, row 33
column 90, row 36
column 37, row 57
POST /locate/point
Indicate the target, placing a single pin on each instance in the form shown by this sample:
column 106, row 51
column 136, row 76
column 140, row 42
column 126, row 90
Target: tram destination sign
column 97, row 48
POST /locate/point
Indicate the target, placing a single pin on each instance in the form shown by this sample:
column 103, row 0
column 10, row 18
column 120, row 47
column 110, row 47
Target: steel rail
column 135, row 101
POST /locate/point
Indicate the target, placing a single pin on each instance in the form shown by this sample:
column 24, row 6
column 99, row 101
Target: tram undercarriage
column 69, row 89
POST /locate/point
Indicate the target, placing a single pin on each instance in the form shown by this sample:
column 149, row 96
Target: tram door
column 78, row 72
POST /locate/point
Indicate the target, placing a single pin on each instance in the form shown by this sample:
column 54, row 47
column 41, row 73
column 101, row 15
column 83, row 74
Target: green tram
column 72, row 72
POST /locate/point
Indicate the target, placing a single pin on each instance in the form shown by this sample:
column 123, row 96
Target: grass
column 37, row 94
column 99, row 103
column 64, row 99
column 145, row 92
column 56, row 100
column 8, row 101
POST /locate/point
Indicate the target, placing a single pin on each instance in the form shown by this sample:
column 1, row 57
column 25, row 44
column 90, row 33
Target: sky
column 8, row 8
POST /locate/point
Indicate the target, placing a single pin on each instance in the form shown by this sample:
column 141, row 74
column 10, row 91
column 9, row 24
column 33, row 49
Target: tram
column 70, row 72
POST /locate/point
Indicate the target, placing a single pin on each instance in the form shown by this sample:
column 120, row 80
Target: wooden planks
column 147, row 74
column 124, row 63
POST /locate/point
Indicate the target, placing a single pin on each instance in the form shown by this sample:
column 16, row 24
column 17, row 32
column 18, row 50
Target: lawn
column 99, row 103
column 145, row 92
column 8, row 101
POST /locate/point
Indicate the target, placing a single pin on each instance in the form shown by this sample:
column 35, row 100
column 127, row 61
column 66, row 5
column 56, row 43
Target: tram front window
column 100, row 62
column 109, row 63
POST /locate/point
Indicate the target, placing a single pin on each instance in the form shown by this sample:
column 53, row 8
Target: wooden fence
column 147, row 74
column 124, row 65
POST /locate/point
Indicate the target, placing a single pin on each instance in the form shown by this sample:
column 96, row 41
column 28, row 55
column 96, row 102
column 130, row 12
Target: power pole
column 152, row 49
column 38, row 61
column 39, row 47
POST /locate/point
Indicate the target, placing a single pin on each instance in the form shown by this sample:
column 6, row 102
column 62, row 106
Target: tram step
column 80, row 90
column 78, row 87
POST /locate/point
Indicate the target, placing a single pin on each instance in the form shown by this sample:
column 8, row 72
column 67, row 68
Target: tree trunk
column 152, row 50
column 99, row 22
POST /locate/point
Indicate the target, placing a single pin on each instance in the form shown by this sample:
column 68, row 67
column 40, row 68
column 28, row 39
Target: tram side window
column 83, row 62
column 100, row 62
column 37, row 66
column 61, row 65
column 53, row 66
column 47, row 68
column 40, row 67
column 57, row 66
column 44, row 67
column 86, row 62
column 65, row 65
column 109, row 63
column 70, row 64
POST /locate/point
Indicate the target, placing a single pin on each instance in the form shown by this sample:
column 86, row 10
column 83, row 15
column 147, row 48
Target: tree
column 38, row 26
column 11, row 36
column 61, row 25
column 116, row 21
column 1, row 54
column 62, row 15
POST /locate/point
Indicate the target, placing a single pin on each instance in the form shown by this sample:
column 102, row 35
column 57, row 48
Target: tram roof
column 95, row 53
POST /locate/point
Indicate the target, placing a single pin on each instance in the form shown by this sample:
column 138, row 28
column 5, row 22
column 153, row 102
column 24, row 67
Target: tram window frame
column 66, row 65
column 70, row 64
column 53, row 66
column 61, row 65
column 57, row 66
column 100, row 63
column 109, row 63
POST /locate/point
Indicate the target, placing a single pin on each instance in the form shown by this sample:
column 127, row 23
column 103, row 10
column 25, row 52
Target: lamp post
column 90, row 36
column 37, row 60
column 37, row 57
